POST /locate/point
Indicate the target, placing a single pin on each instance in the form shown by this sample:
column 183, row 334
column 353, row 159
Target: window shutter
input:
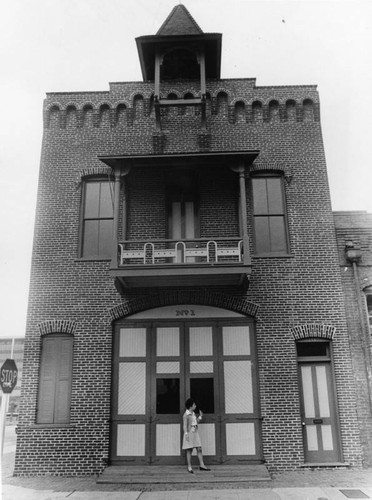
column 63, row 383
column 55, row 380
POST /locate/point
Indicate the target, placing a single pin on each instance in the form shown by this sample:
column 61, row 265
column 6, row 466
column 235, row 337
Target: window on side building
column 97, row 219
column 269, row 214
column 369, row 309
column 55, row 379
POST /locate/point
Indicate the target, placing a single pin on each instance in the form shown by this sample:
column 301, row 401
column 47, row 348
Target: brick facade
column 292, row 297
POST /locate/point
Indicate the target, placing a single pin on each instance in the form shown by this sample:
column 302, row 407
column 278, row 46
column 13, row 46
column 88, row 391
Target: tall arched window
column 97, row 219
column 269, row 212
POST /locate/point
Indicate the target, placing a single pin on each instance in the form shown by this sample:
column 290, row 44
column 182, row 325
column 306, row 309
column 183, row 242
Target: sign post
column 8, row 380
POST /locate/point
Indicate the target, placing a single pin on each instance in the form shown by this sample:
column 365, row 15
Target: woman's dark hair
column 189, row 403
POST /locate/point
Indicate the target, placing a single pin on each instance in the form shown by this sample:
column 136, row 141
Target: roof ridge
column 179, row 22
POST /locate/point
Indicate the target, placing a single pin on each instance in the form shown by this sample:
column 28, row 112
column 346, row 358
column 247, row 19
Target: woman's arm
column 185, row 423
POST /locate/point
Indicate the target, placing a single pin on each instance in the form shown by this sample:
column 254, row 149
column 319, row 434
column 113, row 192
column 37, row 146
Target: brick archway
column 233, row 303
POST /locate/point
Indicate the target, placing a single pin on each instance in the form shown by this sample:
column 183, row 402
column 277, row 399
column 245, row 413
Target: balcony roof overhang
column 183, row 276
column 181, row 159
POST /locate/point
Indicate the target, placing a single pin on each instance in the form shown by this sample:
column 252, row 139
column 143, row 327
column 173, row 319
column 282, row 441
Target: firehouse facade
column 185, row 246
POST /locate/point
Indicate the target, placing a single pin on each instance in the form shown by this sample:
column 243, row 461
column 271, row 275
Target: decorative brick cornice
column 313, row 330
column 233, row 303
column 57, row 326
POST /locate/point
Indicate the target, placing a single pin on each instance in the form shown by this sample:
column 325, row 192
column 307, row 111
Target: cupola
column 180, row 51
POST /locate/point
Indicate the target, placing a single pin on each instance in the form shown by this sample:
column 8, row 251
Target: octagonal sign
column 8, row 376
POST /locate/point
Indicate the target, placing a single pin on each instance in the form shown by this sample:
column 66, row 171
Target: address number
column 185, row 312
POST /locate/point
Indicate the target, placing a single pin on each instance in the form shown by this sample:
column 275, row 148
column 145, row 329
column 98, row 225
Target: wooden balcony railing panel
column 173, row 252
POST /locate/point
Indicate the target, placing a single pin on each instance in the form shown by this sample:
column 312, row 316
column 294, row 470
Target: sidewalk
column 317, row 485
column 303, row 485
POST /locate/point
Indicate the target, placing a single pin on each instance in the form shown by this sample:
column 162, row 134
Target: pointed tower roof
column 179, row 22
column 178, row 29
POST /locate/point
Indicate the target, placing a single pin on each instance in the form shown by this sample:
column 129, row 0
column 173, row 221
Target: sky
column 82, row 45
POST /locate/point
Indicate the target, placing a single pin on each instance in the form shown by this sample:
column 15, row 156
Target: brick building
column 185, row 245
column 354, row 240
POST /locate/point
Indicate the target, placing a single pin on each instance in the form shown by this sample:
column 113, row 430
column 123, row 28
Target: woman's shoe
column 191, row 471
column 204, row 468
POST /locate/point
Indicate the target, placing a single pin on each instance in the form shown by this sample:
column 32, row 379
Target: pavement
column 299, row 485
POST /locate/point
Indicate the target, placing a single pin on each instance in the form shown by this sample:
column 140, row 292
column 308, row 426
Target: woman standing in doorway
column 191, row 438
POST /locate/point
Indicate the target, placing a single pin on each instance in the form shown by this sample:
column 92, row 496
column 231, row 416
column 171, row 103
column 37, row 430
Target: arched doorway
column 163, row 356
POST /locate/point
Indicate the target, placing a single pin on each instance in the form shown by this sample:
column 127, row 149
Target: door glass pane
column 235, row 340
column 201, row 341
column 132, row 342
column 168, row 341
column 208, row 438
column 168, row 367
column 321, row 379
column 168, row 440
column 131, row 389
column 307, row 391
column 131, row 440
column 238, row 387
column 201, row 366
column 176, row 222
column 189, row 220
column 202, row 390
column 168, row 395
column 240, row 439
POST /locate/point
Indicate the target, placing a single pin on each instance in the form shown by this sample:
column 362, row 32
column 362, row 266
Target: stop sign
column 8, row 376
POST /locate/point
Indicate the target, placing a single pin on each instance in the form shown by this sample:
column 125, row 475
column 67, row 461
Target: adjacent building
column 184, row 246
column 354, row 239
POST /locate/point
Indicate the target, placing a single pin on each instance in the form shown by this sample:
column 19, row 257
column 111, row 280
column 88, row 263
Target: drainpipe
column 354, row 255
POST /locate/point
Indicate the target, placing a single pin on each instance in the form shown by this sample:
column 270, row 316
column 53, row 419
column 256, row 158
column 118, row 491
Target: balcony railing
column 202, row 251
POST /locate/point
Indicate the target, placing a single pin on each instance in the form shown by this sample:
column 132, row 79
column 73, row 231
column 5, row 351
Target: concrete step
column 163, row 474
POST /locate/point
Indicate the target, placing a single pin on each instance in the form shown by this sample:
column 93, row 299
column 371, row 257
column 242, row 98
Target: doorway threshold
column 175, row 474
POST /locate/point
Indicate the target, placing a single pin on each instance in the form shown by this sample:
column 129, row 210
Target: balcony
column 197, row 262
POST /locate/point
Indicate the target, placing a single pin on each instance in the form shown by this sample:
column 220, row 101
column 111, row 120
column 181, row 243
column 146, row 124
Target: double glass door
column 158, row 365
